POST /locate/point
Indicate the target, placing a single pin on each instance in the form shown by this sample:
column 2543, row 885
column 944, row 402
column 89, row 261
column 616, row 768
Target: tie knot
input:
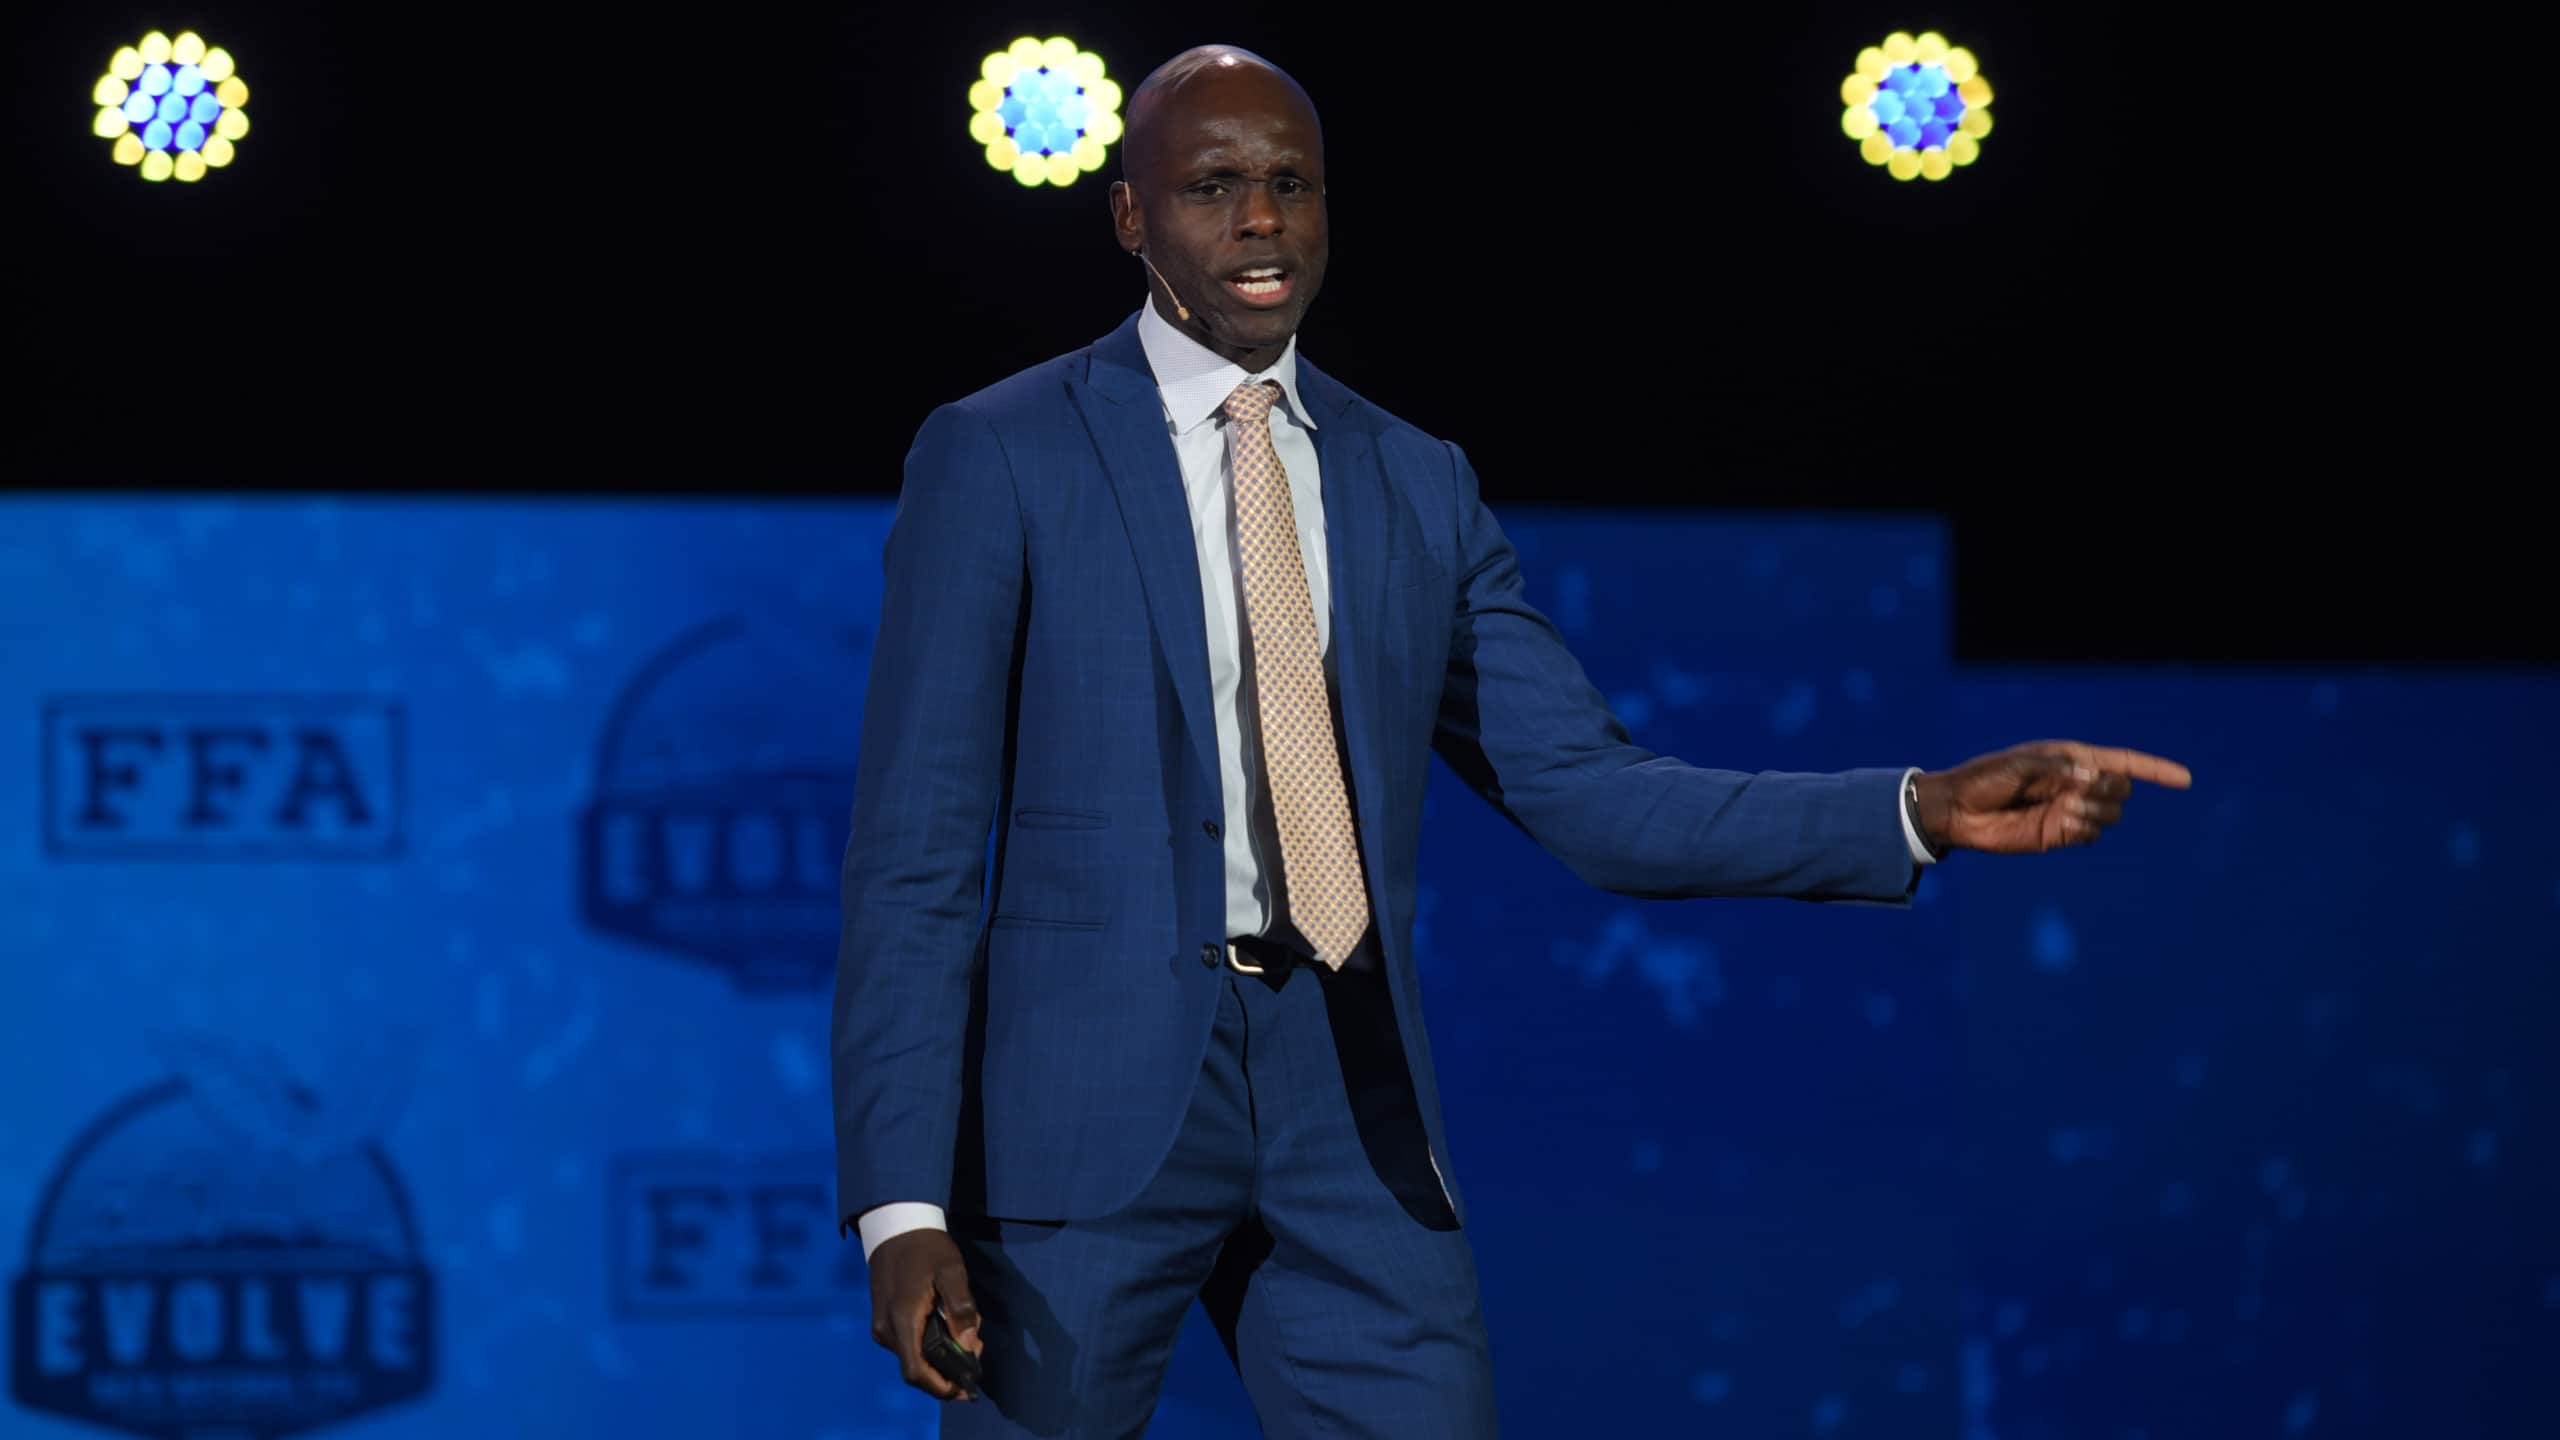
column 1251, row 402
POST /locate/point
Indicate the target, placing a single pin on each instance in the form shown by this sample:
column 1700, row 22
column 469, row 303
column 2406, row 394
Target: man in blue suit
column 1181, row 620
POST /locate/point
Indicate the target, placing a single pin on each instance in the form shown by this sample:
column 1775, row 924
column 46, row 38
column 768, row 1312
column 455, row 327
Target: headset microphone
column 1178, row 308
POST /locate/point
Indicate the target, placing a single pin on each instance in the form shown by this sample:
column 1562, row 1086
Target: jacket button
column 1209, row 956
column 1211, row 826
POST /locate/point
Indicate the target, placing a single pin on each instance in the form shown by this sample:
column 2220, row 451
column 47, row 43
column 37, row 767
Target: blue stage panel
column 430, row 906
column 2260, row 1087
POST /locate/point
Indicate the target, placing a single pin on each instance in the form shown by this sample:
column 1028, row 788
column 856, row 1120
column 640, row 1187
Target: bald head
column 1209, row 65
column 1223, row 192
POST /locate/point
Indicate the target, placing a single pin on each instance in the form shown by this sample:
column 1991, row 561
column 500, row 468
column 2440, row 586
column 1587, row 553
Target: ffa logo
column 709, row 1235
column 222, row 777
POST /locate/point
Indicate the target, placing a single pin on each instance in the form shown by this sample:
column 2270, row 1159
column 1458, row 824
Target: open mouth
column 1264, row 285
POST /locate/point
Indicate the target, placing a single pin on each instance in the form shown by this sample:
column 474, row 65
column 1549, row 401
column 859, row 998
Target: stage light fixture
column 1918, row 106
column 1044, row 111
column 174, row 108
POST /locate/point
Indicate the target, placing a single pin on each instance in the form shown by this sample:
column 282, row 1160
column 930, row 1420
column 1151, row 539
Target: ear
column 1126, row 223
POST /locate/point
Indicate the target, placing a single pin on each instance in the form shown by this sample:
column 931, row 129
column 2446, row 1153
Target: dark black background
column 2223, row 353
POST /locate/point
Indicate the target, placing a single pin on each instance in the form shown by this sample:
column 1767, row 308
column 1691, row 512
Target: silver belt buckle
column 1237, row 962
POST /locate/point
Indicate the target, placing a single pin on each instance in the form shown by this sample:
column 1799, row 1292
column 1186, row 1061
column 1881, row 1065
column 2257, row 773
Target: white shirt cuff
column 882, row 1221
column 1919, row 852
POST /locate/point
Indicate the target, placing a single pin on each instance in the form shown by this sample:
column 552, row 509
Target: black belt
column 1257, row 955
column 1254, row 955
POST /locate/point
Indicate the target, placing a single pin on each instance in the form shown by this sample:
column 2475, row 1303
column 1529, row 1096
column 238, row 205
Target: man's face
column 1229, row 203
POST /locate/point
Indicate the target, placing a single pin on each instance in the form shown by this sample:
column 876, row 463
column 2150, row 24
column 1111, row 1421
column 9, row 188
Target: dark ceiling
column 2184, row 359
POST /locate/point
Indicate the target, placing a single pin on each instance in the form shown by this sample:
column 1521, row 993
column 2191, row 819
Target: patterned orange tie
column 1327, row 898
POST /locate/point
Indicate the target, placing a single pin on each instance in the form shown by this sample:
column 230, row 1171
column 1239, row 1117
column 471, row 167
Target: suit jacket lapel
column 1126, row 416
column 1355, row 522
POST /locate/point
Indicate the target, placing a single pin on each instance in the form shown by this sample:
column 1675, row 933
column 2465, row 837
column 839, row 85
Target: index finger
column 2113, row 760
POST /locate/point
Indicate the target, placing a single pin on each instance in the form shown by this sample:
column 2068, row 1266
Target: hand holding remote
column 920, row 1288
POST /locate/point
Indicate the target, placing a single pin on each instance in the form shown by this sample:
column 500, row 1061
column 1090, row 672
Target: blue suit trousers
column 1299, row 1205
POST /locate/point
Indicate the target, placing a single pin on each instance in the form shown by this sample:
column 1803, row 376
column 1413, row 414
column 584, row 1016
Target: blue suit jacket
column 1021, row 1005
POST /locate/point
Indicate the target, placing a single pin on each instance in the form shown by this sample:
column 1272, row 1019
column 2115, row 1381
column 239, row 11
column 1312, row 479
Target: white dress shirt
column 1194, row 381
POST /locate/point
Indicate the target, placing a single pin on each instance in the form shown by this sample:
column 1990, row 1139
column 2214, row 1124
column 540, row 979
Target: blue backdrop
column 418, row 920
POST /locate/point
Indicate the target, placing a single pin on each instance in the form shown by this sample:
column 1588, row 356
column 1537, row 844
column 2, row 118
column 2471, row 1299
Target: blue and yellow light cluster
column 175, row 108
column 1918, row 106
column 1044, row 110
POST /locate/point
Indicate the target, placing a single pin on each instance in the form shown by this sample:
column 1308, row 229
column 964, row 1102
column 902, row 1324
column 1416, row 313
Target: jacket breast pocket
column 1010, row 921
column 1061, row 820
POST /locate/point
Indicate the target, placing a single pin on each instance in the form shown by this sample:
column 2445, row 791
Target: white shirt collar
column 1194, row 380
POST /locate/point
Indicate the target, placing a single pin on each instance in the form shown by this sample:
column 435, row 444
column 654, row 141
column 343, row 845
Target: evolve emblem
column 222, row 1254
column 723, row 789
